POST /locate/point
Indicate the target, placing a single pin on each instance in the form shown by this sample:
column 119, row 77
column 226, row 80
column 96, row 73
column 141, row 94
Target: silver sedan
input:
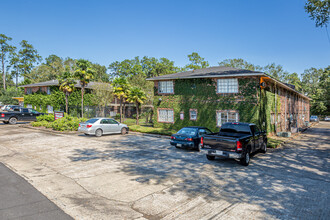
column 100, row 126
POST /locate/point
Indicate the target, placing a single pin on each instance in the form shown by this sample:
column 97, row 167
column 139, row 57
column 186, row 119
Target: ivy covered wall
column 57, row 99
column 252, row 105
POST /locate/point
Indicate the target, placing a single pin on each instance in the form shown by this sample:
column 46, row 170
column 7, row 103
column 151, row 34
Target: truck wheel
column 12, row 120
column 123, row 131
column 98, row 133
column 264, row 148
column 6, row 122
column 209, row 157
column 198, row 148
column 246, row 158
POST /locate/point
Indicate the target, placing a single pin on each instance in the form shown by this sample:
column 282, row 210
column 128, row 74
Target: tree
column 239, row 63
column 275, row 71
column 66, row 83
column 137, row 96
column 5, row 50
column 28, row 56
column 84, row 73
column 14, row 62
column 103, row 95
column 197, row 62
column 293, row 79
column 100, row 73
column 319, row 11
column 121, row 90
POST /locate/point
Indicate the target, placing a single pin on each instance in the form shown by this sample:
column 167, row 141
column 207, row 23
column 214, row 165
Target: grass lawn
column 273, row 143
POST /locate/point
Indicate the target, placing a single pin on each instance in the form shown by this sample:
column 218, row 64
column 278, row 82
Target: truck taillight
column 79, row 125
column 2, row 115
column 238, row 146
column 202, row 141
column 88, row 126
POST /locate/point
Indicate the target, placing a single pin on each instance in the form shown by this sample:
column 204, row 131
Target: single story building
column 211, row 96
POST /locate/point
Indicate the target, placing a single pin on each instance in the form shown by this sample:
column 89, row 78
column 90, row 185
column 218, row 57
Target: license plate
column 179, row 145
column 217, row 152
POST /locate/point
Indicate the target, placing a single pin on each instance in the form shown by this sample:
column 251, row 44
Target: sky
column 104, row 31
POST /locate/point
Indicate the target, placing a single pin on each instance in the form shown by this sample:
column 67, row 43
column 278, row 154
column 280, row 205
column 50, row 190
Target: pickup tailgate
column 222, row 143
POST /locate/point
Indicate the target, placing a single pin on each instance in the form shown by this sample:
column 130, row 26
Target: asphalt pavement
column 20, row 200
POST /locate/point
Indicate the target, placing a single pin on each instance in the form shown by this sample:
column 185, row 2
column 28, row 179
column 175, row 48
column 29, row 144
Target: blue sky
column 259, row 31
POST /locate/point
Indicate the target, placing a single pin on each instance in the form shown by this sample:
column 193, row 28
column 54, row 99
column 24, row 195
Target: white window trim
column 167, row 116
column 169, row 89
column 193, row 110
column 227, row 83
column 219, row 119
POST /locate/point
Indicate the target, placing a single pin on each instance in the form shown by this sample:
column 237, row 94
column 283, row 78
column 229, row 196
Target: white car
column 327, row 118
column 100, row 126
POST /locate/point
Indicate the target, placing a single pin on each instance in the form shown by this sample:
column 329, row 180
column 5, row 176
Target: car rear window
column 92, row 121
column 188, row 131
column 235, row 128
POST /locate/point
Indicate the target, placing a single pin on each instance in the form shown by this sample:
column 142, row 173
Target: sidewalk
column 20, row 200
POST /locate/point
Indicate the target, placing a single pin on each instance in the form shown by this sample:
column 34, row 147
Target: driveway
column 140, row 177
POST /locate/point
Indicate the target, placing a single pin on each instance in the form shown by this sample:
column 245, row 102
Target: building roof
column 56, row 83
column 211, row 72
column 219, row 72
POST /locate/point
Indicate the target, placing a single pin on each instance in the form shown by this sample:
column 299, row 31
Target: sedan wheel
column 98, row 133
column 123, row 131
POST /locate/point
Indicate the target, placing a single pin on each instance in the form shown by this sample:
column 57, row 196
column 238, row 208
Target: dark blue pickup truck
column 235, row 140
column 21, row 114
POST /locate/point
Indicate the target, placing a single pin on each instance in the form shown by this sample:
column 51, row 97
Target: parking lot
column 144, row 177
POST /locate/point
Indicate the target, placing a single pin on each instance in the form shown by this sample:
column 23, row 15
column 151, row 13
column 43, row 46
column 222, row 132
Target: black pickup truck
column 235, row 140
column 21, row 114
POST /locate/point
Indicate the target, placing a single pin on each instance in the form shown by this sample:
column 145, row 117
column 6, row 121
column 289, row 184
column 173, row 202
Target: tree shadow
column 295, row 177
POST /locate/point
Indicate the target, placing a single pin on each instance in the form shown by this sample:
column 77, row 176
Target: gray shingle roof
column 217, row 71
column 55, row 83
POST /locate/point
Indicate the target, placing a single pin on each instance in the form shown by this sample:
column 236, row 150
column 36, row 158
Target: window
column 48, row 90
column 182, row 115
column 272, row 118
column 193, row 114
column 165, row 87
column 203, row 131
column 50, row 109
column 279, row 118
column 227, row 116
column 111, row 121
column 165, row 115
column 227, row 86
column 28, row 91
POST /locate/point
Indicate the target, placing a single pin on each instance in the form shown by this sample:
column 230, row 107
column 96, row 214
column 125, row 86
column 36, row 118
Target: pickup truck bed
column 235, row 140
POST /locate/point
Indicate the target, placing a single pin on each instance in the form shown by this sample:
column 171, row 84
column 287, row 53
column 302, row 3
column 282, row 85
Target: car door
column 25, row 116
column 255, row 141
column 259, row 137
column 114, row 126
column 104, row 125
column 33, row 115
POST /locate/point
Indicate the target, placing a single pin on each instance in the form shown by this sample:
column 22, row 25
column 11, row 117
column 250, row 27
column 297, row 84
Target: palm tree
column 121, row 90
column 137, row 96
column 84, row 73
column 66, row 82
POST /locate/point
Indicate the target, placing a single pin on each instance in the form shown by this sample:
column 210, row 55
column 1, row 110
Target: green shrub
column 67, row 123
column 117, row 116
column 49, row 118
column 42, row 124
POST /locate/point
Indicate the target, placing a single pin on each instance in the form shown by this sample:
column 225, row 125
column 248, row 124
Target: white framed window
column 182, row 115
column 48, row 90
column 165, row 87
column 193, row 114
column 166, row 115
column 227, row 85
column 227, row 116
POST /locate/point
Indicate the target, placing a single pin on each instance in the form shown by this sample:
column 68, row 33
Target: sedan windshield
column 188, row 131
column 92, row 121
